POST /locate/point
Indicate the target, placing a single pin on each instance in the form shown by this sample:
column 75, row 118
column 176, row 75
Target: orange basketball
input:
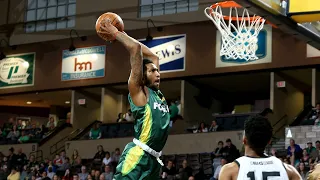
column 115, row 20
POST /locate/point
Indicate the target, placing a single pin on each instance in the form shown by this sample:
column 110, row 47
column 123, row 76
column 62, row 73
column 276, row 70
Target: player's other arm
column 229, row 171
column 147, row 54
column 292, row 172
column 135, row 83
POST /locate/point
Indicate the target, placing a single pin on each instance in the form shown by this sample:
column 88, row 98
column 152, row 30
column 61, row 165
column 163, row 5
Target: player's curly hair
column 145, row 62
column 258, row 131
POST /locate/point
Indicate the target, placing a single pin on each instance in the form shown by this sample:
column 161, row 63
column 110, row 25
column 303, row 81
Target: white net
column 239, row 41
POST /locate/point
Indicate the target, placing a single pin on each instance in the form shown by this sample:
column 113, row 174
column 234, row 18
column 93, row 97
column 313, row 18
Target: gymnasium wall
column 113, row 104
column 83, row 115
column 195, row 113
column 287, row 101
column 302, row 135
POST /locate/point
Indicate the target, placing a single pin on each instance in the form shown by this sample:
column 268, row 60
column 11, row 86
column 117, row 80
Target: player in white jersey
column 255, row 165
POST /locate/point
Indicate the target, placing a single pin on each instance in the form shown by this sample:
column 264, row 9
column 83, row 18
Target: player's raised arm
column 135, row 83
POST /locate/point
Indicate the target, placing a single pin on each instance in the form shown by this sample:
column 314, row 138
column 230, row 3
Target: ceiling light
column 83, row 38
column 159, row 29
column 29, row 102
column 67, row 102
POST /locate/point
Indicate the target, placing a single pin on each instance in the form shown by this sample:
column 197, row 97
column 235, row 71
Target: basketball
column 114, row 19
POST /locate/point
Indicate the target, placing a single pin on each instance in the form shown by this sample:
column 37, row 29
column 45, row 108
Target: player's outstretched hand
column 109, row 30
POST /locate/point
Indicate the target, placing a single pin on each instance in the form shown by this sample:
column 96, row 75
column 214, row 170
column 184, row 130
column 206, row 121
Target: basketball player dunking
column 140, row 158
column 255, row 165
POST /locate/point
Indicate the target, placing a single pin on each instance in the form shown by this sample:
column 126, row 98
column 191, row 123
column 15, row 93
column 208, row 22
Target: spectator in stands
column 57, row 160
column 4, row 172
column 68, row 120
column 89, row 177
column 217, row 155
column 98, row 157
column 51, row 123
column 108, row 174
column 66, row 165
column 24, row 173
column 63, row 156
column 20, row 125
column 120, row 118
column 310, row 149
column 8, row 126
column 274, row 152
column 13, row 135
column 302, row 171
column 217, row 171
column 231, row 151
column 3, row 137
column 50, row 165
column 311, row 168
column 116, row 155
column 50, row 172
column 84, row 174
column 14, row 175
column 67, row 175
column 75, row 177
column 101, row 177
column 185, row 171
column 202, row 128
column 316, row 154
column 55, row 177
column 200, row 175
column 95, row 132
column 169, row 171
column 313, row 117
column 32, row 162
column 214, row 127
column 12, row 159
column 107, row 159
column 97, row 174
column 173, row 108
column 43, row 131
column 75, row 159
column 129, row 116
column 24, row 138
column 191, row 178
column 294, row 152
column 305, row 159
column 35, row 132
column 21, row 158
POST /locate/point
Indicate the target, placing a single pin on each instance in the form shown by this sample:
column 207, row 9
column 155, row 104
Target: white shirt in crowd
column 106, row 161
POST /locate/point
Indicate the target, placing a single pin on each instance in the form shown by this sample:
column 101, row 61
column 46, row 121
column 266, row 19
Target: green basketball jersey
column 152, row 121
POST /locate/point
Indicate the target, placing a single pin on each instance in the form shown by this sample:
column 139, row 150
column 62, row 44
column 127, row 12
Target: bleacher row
column 125, row 129
column 196, row 161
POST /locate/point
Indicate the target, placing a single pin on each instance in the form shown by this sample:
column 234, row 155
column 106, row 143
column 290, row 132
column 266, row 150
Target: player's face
column 152, row 76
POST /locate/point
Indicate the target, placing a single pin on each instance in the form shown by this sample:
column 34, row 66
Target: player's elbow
column 135, row 48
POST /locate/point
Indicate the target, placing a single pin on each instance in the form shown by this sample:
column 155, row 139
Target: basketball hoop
column 239, row 41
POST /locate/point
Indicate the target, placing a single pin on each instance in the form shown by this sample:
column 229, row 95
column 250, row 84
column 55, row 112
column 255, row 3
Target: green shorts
column 136, row 164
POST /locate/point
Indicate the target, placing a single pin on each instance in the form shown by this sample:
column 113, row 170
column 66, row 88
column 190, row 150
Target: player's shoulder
column 229, row 171
column 292, row 172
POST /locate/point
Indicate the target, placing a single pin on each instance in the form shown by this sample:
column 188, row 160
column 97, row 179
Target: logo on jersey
column 162, row 107
column 261, row 162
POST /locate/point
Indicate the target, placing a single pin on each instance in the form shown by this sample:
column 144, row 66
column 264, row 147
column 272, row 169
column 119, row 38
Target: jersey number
column 265, row 175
